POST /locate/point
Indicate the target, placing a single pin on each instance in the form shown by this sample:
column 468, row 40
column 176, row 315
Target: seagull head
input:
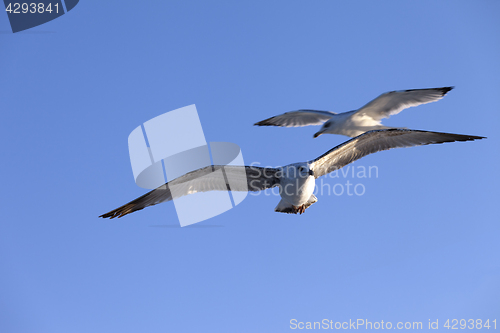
column 303, row 171
column 324, row 129
column 296, row 171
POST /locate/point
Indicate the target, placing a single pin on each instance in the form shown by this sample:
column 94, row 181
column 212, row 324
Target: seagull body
column 296, row 181
column 357, row 122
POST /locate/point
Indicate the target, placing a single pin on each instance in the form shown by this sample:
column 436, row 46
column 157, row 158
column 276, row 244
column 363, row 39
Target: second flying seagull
column 356, row 122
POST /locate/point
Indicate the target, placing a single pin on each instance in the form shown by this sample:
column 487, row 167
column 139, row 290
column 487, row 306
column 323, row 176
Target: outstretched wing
column 297, row 118
column 378, row 140
column 394, row 102
column 233, row 178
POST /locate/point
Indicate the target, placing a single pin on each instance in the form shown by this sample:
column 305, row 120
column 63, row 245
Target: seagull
column 296, row 181
column 367, row 118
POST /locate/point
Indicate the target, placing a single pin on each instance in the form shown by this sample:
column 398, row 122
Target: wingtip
column 471, row 138
column 445, row 90
column 265, row 122
column 261, row 123
column 113, row 214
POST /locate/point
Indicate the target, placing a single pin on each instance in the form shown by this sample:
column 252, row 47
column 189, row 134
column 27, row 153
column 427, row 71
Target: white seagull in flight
column 296, row 181
column 367, row 118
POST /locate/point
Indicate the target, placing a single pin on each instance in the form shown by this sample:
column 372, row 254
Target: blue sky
column 420, row 244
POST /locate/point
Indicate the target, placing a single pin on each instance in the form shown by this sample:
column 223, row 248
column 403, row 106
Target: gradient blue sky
column 422, row 242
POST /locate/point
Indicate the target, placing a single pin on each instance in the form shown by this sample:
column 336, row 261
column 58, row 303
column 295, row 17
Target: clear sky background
column 421, row 243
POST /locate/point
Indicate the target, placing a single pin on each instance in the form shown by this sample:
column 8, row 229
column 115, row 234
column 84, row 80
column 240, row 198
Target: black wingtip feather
column 445, row 90
column 265, row 122
column 442, row 90
column 120, row 212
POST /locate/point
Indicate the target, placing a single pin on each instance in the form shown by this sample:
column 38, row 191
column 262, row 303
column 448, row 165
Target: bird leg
column 299, row 209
